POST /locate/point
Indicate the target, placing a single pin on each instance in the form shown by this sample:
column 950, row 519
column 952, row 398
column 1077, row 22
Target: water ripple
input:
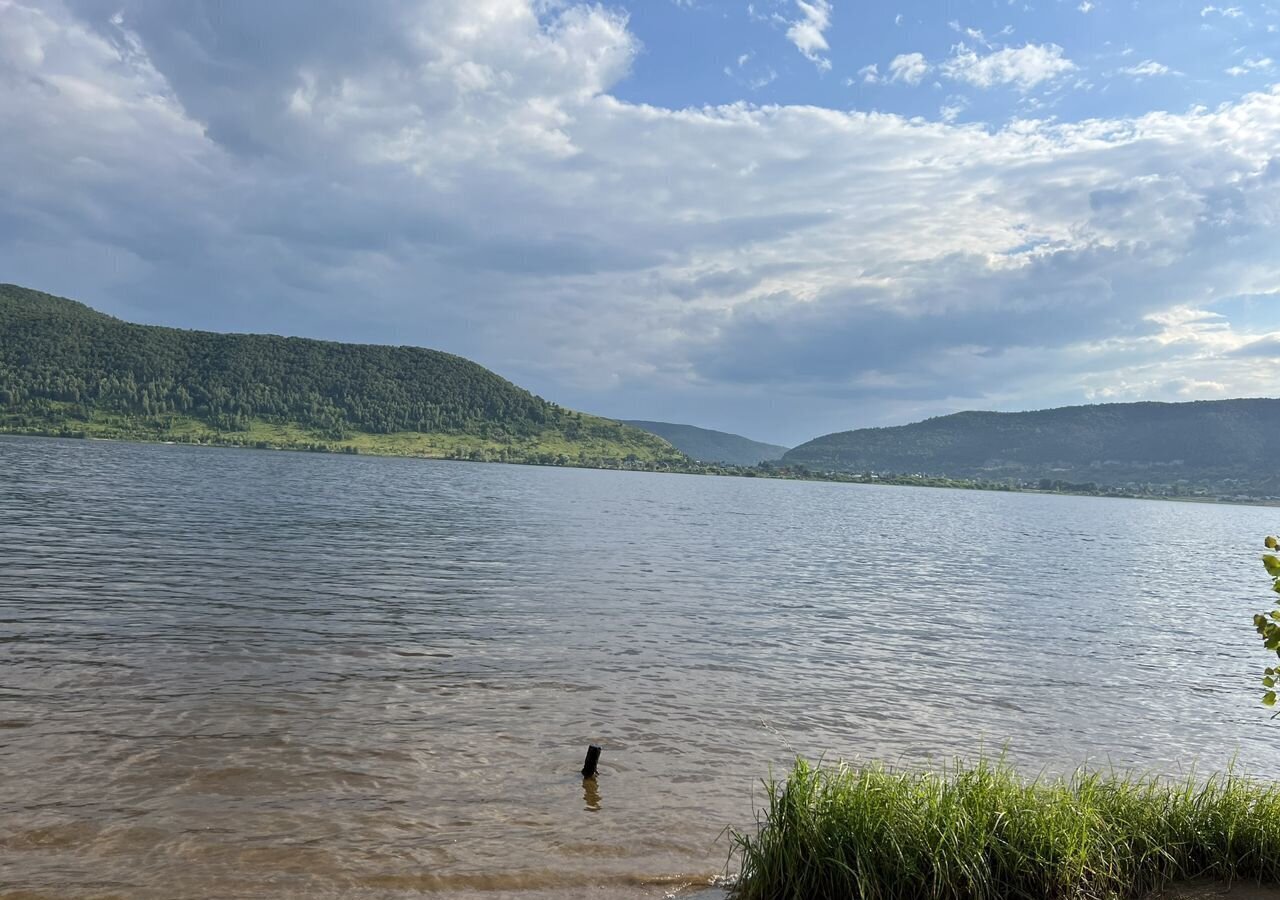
column 268, row 674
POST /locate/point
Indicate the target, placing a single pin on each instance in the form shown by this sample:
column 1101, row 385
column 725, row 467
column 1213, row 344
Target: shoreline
column 982, row 829
column 709, row 469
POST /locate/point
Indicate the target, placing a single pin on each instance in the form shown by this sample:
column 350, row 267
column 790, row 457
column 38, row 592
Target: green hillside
column 1227, row 445
column 67, row 369
column 706, row 445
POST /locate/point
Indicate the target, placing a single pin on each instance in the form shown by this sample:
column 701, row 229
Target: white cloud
column 474, row 185
column 973, row 34
column 897, row 20
column 1230, row 12
column 870, row 74
column 908, row 67
column 806, row 32
column 1023, row 67
column 1146, row 69
column 1254, row 64
column 753, row 78
column 1085, row 6
column 953, row 108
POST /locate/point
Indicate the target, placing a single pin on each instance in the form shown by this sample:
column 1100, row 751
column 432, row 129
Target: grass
column 980, row 832
column 588, row 441
column 595, row 442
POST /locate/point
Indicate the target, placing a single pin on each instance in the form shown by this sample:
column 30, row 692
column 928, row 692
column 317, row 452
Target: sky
column 780, row 218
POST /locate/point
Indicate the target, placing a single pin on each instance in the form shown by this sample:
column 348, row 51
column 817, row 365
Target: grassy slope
column 551, row 446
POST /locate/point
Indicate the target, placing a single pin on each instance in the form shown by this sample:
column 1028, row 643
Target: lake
column 236, row 673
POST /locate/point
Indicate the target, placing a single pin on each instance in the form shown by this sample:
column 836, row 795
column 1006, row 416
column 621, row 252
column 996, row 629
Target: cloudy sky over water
column 781, row 218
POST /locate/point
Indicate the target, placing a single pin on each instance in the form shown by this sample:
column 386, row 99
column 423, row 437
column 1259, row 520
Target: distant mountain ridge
column 1222, row 442
column 706, row 445
column 68, row 369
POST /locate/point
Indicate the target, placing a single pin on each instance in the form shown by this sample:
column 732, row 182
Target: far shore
column 766, row 470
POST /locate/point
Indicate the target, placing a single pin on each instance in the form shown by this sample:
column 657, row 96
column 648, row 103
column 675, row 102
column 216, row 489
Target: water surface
column 253, row 674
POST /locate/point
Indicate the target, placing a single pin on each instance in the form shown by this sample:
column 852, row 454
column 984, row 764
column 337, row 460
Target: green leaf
column 1272, row 564
column 1269, row 698
column 1272, row 544
column 1268, row 682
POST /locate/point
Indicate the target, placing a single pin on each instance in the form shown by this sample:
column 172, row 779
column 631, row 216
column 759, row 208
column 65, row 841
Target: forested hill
column 706, row 445
column 65, row 368
column 1218, row 442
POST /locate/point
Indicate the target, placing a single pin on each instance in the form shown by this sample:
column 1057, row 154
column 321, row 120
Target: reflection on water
column 591, row 794
column 243, row 674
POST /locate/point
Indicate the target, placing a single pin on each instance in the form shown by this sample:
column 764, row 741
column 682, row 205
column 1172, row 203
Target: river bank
column 466, row 448
column 981, row 830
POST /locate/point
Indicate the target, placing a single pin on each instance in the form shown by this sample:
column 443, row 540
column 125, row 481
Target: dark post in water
column 593, row 757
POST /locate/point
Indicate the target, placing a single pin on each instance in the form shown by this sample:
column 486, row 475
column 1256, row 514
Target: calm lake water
column 252, row 674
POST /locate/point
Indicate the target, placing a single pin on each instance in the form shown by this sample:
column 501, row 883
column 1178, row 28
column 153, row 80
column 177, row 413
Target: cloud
column 1146, row 69
column 806, row 32
column 869, row 74
column 753, row 79
column 1267, row 346
column 1230, row 12
column 1022, row 67
column 463, row 176
column 973, row 34
column 908, row 67
column 1085, row 6
column 1254, row 64
column 953, row 108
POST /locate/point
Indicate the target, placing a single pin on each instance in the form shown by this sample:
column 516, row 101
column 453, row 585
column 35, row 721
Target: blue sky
column 1126, row 58
column 780, row 218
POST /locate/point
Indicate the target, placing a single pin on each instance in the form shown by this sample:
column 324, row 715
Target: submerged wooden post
column 593, row 757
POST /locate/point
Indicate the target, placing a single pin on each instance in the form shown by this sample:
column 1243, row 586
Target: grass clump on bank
column 981, row 831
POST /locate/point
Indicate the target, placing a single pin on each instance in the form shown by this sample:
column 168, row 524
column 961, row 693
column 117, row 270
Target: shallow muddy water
column 253, row 674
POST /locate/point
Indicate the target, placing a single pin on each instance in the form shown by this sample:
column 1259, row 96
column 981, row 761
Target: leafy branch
column 1268, row 625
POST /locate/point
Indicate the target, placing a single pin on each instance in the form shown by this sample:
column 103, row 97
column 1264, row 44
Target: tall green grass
column 980, row 832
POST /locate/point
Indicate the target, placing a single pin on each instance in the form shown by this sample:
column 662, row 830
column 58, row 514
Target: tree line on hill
column 1219, row 445
column 61, row 359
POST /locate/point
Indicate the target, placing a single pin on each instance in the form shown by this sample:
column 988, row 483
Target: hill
column 68, row 369
column 1223, row 445
column 706, row 445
